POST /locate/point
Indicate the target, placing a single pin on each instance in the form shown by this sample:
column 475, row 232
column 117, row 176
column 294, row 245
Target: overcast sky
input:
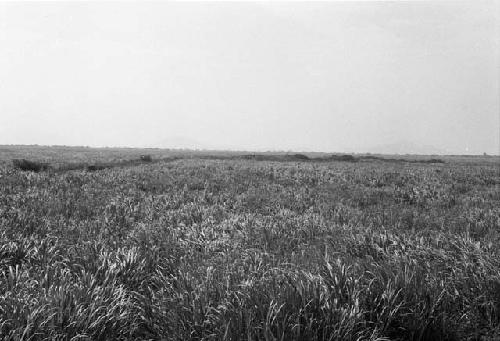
column 336, row 76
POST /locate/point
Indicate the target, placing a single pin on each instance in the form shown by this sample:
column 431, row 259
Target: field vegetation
column 191, row 247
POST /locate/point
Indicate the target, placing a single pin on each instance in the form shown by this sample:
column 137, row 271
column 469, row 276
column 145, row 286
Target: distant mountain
column 405, row 147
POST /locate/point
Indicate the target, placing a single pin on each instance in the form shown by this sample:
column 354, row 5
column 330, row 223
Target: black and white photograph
column 250, row 170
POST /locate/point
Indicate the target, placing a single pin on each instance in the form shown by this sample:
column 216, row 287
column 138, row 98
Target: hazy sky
column 336, row 76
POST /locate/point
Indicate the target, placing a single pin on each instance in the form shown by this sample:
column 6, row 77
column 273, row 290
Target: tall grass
column 244, row 250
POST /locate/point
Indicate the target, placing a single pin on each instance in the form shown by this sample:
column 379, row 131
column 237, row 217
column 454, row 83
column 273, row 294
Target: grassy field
column 191, row 247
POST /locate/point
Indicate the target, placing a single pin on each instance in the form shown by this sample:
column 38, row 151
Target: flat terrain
column 195, row 246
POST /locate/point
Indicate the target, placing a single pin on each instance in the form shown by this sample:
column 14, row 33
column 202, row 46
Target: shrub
column 346, row 158
column 146, row 158
column 27, row 165
column 435, row 161
column 300, row 157
column 93, row 168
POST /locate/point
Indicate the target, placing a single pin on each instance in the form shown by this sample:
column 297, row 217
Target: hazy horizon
column 406, row 77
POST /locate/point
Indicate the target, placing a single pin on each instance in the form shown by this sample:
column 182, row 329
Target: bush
column 92, row 168
column 26, row 165
column 434, row 161
column 299, row 157
column 347, row 158
column 146, row 158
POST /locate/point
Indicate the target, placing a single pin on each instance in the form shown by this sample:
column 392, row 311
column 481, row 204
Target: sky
column 409, row 76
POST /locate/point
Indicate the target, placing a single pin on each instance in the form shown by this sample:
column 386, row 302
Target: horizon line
column 236, row 150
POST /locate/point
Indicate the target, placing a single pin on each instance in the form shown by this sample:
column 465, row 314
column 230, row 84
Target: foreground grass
column 244, row 250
